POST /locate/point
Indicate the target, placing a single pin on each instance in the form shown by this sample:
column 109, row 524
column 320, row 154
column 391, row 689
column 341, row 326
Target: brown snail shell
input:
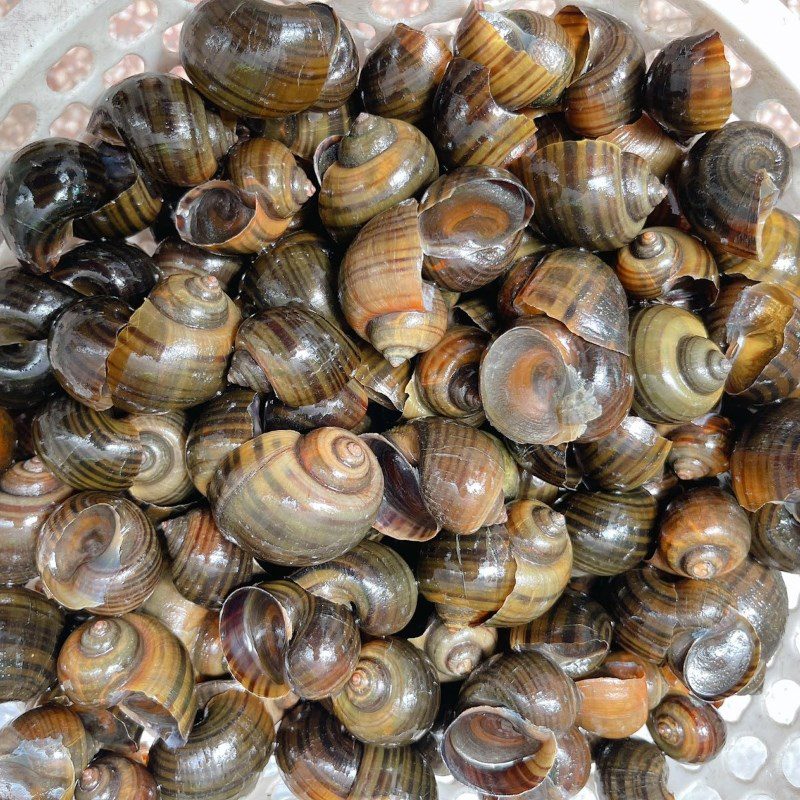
column 114, row 777
column 701, row 448
column 166, row 126
column 657, row 685
column 679, row 372
column 28, row 493
column 729, row 183
column 630, row 768
column 205, row 566
column 297, row 500
column 30, row 634
column 133, row 662
column 174, row 350
column 575, row 633
column 554, row 464
column 373, row 580
column 220, row 426
column 571, row 182
column 378, row 163
column 687, row 730
column 646, row 139
column 392, row 697
column 277, row 638
column 234, row 728
column 605, row 90
column 776, row 537
column 669, row 266
column 383, row 383
column 303, row 357
column 531, row 487
column 87, row 449
column 455, row 652
column 765, row 465
column 703, row 533
column 99, row 552
column 382, row 293
column 173, row 256
column 36, row 213
column 26, row 378
column 470, row 127
column 688, row 89
column 400, row 75
column 445, row 380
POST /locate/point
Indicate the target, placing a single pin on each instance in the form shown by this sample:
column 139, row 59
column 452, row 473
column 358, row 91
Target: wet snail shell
column 729, row 183
column 26, row 379
column 554, row 464
column 234, row 727
column 376, row 164
column 688, row 89
column 400, row 75
column 173, row 255
column 687, row 729
column 658, row 686
column 28, row 493
column 776, row 537
column 373, row 580
column 205, row 566
column 166, row 126
column 392, row 697
column 298, row 354
column 646, row 139
column 98, row 552
column 384, row 384
column 44, row 186
column 630, row 768
column 575, row 633
column 297, row 500
column 455, row 652
column 113, row 777
column 30, row 634
column 277, row 638
column 701, row 448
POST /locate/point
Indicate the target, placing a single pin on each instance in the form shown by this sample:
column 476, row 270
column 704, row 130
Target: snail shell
column 303, row 357
column 575, row 633
column 113, row 777
column 297, row 500
column 776, row 537
column 43, row 187
column 629, row 768
column 30, row 635
column 554, row 464
column 687, row 730
column 278, row 638
column 133, row 662
column 99, row 552
column 729, row 183
column 235, row 729
column 381, row 290
column 392, row 697
column 679, row 372
column 646, row 139
column 571, row 182
column 383, row 383
column 174, row 350
column 28, row 493
column 174, row 256
column 657, row 684
column 688, row 89
column 373, row 580
column 701, row 448
column 166, row 126
column 400, row 75
column 25, row 375
column 470, row 127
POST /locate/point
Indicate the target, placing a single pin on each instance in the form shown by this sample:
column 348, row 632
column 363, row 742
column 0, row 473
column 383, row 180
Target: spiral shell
column 646, row 139
column 687, row 730
column 113, row 777
column 554, row 464
column 25, row 375
column 632, row 768
column 173, row 256
column 383, row 383
column 776, row 537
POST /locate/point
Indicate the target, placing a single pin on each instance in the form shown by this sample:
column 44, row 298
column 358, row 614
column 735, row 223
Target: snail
column 776, row 537
column 235, row 727
column 630, row 768
column 26, row 378
column 575, row 633
column 259, row 60
column 646, row 139
column 293, row 351
column 610, row 532
column 669, row 266
column 28, row 494
column 605, row 90
column 384, row 384
column 114, row 777
column 400, row 75
column 135, row 663
column 297, row 500
column 658, row 685
column 174, row 255
column 469, row 127
column 166, row 126
column 98, row 551
column 687, row 730
column 554, row 464
column 43, row 188
column 504, row 575
column 174, row 350
column 701, row 448
column 317, row 758
column 679, row 373
column 277, row 638
column 378, row 163
column 729, row 182
column 30, row 634
column 688, row 89
column 562, row 172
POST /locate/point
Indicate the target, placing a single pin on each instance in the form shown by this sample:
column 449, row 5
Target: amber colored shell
column 173, row 255
column 114, row 777
column 646, row 139
column 687, row 729
column 701, row 448
column 613, row 702
column 632, row 768
column 383, row 383
column 776, row 537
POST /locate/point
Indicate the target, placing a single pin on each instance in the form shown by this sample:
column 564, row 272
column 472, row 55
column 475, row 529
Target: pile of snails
column 448, row 425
